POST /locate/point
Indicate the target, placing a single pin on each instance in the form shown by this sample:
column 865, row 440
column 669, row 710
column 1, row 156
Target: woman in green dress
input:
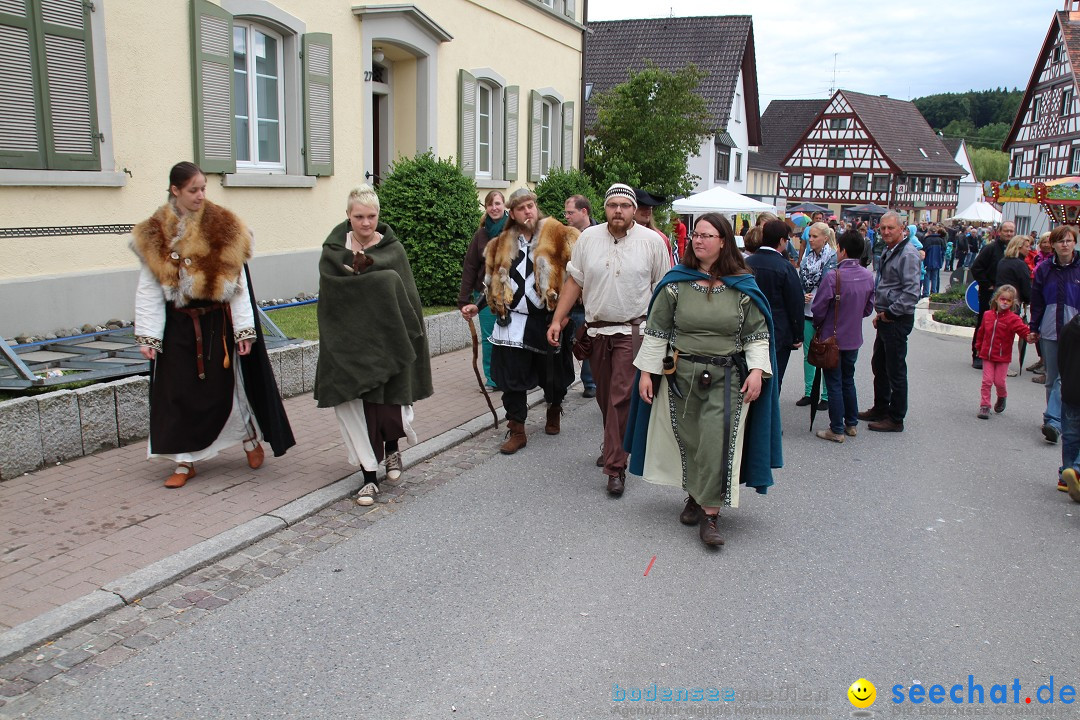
column 706, row 365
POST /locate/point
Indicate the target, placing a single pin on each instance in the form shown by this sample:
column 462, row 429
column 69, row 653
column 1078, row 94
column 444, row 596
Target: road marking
column 650, row 566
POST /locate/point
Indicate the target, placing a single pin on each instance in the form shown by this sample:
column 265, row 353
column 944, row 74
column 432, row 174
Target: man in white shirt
column 613, row 268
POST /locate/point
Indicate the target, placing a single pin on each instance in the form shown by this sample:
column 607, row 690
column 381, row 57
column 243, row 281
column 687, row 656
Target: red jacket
column 996, row 335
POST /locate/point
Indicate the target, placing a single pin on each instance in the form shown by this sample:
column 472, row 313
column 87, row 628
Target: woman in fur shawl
column 211, row 384
column 373, row 349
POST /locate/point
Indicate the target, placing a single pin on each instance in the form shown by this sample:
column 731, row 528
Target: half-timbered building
column 869, row 148
column 782, row 124
column 1044, row 141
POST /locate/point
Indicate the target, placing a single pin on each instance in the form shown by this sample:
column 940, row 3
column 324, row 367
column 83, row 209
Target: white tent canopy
column 979, row 211
column 720, row 200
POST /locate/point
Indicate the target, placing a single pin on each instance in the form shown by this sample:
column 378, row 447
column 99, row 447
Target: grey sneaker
column 393, row 465
column 367, row 494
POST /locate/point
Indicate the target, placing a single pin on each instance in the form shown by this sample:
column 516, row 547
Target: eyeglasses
column 703, row 236
column 1064, row 240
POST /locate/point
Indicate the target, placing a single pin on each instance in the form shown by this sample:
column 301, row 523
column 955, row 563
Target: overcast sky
column 902, row 49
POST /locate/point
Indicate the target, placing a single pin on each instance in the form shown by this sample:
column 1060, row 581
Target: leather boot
column 708, row 532
column 691, row 514
column 515, row 438
column 616, row 484
column 553, row 413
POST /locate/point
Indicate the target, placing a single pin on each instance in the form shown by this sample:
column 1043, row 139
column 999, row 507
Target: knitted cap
column 519, row 196
column 623, row 191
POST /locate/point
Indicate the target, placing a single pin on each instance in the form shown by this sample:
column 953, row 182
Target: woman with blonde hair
column 373, row 348
column 818, row 259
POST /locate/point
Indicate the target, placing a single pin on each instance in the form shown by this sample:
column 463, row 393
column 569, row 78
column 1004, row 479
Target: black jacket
column 1015, row 272
column 780, row 284
column 984, row 269
column 1069, row 361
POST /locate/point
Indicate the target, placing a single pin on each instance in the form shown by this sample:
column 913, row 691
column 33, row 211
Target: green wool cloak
column 372, row 341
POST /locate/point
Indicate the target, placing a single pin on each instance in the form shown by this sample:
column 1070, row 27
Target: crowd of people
column 684, row 341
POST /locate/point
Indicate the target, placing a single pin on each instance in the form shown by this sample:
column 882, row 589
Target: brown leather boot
column 553, row 413
column 708, row 531
column 515, row 438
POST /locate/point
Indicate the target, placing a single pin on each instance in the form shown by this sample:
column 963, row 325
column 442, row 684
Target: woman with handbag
column 843, row 299
column 707, row 415
column 816, row 262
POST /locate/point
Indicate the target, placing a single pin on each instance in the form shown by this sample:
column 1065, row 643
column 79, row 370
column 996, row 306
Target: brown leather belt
column 195, row 314
column 635, row 324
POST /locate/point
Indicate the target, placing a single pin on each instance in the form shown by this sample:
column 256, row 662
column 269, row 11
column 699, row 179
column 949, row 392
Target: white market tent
column 979, row 211
column 720, row 200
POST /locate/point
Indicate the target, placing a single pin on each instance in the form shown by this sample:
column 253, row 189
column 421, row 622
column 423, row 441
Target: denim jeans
column 1052, row 414
column 889, row 363
column 577, row 318
column 932, row 281
column 843, row 400
column 1070, row 436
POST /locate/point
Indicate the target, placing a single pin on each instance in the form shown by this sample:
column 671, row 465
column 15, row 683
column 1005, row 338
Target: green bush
column 958, row 314
column 552, row 191
column 954, row 293
column 434, row 211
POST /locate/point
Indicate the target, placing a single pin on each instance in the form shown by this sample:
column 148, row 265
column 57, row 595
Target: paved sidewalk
column 68, row 530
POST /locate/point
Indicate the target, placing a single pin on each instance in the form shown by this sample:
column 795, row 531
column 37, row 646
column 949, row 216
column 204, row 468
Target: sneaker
column 830, row 435
column 1072, row 483
column 999, row 406
column 1038, row 379
column 1051, row 433
column 393, row 465
column 984, row 412
column 1035, row 366
column 367, row 494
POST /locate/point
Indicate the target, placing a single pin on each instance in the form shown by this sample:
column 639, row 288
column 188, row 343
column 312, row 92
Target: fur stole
column 197, row 257
column 551, row 246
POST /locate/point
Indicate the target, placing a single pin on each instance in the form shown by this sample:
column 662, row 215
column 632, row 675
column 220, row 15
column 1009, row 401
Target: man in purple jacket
column 855, row 301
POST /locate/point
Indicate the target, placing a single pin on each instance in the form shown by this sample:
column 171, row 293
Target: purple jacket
column 1055, row 296
column 856, row 302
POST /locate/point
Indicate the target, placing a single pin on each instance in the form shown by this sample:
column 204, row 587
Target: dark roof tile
column 903, row 134
column 782, row 125
column 613, row 48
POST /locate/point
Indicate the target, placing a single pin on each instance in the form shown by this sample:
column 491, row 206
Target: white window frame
column 792, row 185
column 1074, row 160
column 880, row 183
column 737, row 110
column 836, row 152
column 1035, row 102
column 738, row 167
column 1043, row 163
column 832, row 182
column 865, row 182
column 485, row 139
column 1017, row 164
column 256, row 164
column 1066, row 101
column 838, row 123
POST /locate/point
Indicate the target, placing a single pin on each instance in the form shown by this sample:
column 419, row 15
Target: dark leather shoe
column 616, row 484
column 872, row 415
column 803, row 401
column 708, row 532
column 823, row 405
column 600, row 461
column 976, row 363
column 554, row 412
column 589, row 392
column 691, row 514
column 886, row 425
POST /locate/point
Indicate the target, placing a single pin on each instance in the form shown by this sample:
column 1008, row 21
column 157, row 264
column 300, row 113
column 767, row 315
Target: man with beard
column 614, row 267
column 524, row 268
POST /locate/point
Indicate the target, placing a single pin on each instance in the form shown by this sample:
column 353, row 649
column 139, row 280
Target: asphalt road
column 518, row 589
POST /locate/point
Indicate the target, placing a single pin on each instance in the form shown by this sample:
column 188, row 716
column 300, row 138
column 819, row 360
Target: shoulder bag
column 825, row 354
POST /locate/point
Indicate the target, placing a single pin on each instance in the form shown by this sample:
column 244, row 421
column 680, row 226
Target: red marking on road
column 650, row 566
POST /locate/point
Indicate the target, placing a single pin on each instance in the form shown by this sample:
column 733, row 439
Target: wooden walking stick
column 476, row 369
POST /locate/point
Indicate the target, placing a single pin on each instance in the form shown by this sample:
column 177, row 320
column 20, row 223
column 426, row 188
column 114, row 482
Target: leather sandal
column 184, row 472
column 255, row 457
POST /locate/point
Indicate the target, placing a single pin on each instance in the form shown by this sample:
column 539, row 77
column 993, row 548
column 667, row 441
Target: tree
column 434, row 212
column 989, row 164
column 645, row 130
column 552, row 191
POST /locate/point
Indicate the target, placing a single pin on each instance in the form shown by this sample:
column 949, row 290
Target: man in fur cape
column 524, row 269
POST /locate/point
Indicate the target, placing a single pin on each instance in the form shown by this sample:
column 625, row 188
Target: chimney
column 1073, row 8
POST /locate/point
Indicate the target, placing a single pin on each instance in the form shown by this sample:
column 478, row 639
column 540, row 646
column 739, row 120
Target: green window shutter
column 212, row 75
column 568, row 135
column 568, row 9
column 536, row 117
column 22, row 134
column 467, row 123
column 318, row 104
column 512, row 103
column 69, row 107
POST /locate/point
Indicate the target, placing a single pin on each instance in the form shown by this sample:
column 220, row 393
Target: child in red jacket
column 999, row 326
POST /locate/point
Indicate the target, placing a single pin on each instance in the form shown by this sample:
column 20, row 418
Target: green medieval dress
column 685, row 439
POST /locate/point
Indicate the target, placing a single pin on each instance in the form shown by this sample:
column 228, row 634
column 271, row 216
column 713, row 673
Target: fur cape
column 211, row 247
column 551, row 246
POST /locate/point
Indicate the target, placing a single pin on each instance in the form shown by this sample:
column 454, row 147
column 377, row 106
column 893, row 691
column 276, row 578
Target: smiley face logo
column 862, row 693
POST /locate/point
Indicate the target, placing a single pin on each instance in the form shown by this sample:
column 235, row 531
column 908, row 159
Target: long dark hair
column 730, row 262
column 181, row 174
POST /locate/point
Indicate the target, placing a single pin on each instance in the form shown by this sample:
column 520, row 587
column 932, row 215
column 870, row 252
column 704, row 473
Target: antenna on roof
column 833, row 88
column 671, row 11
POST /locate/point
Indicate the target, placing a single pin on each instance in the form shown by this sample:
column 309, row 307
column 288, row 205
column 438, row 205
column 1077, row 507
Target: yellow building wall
column 149, row 90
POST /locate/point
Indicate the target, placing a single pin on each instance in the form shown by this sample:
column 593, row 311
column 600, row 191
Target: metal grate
column 65, row 230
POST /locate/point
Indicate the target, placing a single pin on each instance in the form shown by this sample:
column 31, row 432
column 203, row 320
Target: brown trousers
column 612, row 361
